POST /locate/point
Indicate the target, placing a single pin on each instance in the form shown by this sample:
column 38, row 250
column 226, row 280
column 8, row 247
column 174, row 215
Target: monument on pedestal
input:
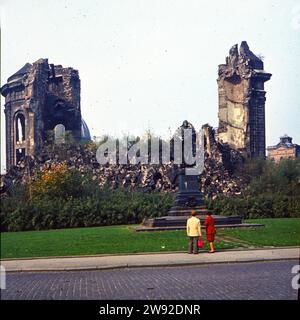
column 188, row 196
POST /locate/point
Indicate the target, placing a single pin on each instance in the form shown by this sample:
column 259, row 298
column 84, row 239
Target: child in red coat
column 210, row 230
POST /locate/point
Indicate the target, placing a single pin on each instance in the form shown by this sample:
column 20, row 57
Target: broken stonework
column 40, row 97
column 37, row 98
column 217, row 177
column 242, row 102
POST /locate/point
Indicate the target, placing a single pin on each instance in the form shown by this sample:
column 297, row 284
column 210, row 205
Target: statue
column 188, row 195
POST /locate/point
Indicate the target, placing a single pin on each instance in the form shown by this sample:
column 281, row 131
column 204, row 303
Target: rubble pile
column 217, row 177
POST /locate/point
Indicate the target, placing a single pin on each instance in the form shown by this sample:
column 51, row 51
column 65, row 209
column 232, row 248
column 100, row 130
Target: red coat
column 210, row 228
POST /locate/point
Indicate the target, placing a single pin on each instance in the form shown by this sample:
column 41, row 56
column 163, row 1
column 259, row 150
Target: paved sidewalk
column 271, row 280
column 148, row 260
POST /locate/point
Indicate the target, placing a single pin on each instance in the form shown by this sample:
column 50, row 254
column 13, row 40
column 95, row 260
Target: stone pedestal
column 188, row 194
column 188, row 197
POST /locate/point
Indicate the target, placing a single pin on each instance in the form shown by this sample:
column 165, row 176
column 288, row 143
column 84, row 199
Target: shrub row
column 105, row 207
column 260, row 206
column 63, row 198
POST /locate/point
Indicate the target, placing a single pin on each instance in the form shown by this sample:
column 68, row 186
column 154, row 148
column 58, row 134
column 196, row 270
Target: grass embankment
column 123, row 239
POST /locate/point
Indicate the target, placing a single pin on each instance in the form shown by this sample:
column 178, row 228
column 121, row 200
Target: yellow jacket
column 193, row 227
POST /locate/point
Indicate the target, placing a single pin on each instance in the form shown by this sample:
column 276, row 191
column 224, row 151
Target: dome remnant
column 85, row 132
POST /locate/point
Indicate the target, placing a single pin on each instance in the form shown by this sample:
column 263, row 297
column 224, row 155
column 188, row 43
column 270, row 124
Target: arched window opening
column 20, row 128
column 59, row 133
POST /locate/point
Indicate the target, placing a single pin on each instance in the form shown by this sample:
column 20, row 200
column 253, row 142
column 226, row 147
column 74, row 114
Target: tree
column 58, row 181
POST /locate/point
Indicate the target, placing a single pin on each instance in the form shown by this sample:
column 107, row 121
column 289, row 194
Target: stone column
column 242, row 102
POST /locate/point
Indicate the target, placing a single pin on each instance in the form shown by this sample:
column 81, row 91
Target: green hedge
column 263, row 206
column 273, row 191
column 104, row 207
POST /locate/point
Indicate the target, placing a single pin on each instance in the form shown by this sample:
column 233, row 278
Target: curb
column 142, row 253
column 127, row 266
column 160, row 264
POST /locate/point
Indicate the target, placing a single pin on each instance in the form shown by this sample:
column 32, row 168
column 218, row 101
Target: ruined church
column 41, row 97
column 242, row 102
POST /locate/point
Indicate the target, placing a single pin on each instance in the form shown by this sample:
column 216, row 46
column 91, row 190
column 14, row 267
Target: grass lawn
column 122, row 239
column 277, row 233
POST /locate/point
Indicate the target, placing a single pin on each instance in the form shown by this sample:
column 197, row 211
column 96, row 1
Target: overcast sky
column 152, row 64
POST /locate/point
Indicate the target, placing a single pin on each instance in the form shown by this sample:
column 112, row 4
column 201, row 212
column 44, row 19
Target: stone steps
column 180, row 221
column 243, row 225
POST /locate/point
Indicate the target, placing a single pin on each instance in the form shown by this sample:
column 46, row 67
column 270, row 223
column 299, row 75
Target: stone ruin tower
column 242, row 102
column 39, row 97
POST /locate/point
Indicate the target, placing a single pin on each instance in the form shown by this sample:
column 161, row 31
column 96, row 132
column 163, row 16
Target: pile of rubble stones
column 217, row 177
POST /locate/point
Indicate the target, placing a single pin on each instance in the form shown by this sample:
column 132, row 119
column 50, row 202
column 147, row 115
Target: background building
column 285, row 149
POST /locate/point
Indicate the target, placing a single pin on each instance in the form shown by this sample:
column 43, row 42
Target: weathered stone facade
column 285, row 149
column 242, row 102
column 42, row 97
column 37, row 98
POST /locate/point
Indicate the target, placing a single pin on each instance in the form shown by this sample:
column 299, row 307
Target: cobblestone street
column 263, row 280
